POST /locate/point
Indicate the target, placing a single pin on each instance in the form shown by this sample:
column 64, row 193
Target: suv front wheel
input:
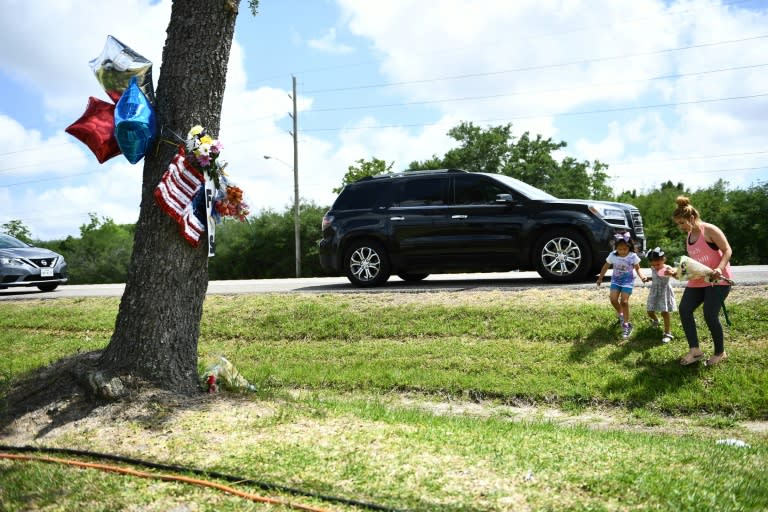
column 562, row 256
column 366, row 264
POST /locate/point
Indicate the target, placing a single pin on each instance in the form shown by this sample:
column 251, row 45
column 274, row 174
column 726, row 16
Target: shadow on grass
column 598, row 338
column 641, row 340
column 651, row 378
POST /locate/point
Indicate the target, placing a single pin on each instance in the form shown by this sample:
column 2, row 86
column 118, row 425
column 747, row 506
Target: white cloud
column 328, row 43
column 53, row 43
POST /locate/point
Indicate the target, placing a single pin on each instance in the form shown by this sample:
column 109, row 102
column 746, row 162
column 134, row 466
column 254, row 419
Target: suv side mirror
column 505, row 198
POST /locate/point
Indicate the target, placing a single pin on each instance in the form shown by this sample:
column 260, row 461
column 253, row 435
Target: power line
column 37, row 164
column 42, row 180
column 537, row 67
column 709, row 171
column 536, row 116
column 538, row 91
column 689, row 157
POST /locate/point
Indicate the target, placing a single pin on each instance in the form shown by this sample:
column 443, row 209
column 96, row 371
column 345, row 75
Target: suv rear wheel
column 366, row 264
column 562, row 256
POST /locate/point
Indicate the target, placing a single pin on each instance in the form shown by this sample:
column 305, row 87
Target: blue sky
column 658, row 90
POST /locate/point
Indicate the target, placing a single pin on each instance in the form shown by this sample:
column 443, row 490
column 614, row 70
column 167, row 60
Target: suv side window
column 422, row 192
column 475, row 190
column 364, row 196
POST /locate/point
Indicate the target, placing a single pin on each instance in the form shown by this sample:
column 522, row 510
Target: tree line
column 262, row 247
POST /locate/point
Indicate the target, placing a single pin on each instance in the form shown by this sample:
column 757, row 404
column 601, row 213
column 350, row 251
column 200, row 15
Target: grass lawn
column 488, row 400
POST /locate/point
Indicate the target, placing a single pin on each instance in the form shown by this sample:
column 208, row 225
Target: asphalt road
column 744, row 275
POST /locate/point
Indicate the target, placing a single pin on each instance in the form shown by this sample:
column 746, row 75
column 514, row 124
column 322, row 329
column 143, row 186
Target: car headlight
column 12, row 262
column 607, row 212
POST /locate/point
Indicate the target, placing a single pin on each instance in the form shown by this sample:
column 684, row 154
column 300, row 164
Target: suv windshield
column 527, row 190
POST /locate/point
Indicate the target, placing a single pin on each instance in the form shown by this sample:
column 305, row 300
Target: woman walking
column 707, row 244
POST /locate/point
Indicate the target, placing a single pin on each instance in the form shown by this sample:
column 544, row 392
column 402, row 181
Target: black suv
column 417, row 223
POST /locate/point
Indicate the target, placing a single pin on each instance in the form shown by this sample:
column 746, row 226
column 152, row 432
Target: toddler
column 661, row 298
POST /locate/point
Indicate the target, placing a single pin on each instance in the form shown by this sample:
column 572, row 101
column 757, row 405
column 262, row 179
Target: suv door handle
column 397, row 218
column 458, row 216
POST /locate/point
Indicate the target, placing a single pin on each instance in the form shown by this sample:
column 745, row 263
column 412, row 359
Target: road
column 744, row 275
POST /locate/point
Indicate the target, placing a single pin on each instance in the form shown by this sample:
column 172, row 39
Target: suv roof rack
column 410, row 172
column 430, row 171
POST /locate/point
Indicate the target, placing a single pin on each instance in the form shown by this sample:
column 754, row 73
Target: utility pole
column 296, row 218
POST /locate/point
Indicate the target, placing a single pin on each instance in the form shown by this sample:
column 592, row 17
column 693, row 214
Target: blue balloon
column 135, row 127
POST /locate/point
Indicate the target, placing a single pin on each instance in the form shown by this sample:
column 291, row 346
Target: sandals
column 716, row 359
column 690, row 359
column 712, row 361
column 667, row 338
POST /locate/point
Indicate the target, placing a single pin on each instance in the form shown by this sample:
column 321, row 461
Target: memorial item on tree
column 117, row 65
column 135, row 128
column 96, row 129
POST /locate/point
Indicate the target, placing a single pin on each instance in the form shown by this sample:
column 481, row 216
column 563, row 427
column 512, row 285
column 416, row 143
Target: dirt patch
column 144, row 421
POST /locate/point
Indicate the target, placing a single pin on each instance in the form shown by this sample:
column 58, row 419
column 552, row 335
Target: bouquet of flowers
column 230, row 203
column 203, row 150
column 223, row 373
column 692, row 269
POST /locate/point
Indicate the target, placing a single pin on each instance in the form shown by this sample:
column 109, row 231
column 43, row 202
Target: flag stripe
column 174, row 195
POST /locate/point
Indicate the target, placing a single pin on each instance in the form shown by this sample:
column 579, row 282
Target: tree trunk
column 158, row 323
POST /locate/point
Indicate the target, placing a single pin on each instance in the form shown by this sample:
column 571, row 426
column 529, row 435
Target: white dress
column 661, row 297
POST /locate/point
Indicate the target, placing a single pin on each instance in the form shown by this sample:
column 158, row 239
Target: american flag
column 175, row 194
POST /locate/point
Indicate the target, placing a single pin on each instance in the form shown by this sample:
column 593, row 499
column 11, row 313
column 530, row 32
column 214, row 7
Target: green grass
column 450, row 401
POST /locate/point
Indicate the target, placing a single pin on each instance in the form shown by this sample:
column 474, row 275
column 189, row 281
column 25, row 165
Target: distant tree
column 745, row 223
column 263, row 247
column 101, row 254
column 480, row 150
column 363, row 169
column 17, row 229
column 428, row 165
column 494, row 150
column 741, row 214
column 656, row 208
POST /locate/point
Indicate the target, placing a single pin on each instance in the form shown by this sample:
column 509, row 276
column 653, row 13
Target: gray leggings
column 712, row 297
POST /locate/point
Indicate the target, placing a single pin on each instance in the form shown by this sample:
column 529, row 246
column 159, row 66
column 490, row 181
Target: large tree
column 158, row 323
column 531, row 160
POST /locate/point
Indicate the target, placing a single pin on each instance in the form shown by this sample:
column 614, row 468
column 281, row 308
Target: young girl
column 661, row 298
column 623, row 260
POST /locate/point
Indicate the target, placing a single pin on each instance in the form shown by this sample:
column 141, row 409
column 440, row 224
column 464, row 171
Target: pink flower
column 204, row 160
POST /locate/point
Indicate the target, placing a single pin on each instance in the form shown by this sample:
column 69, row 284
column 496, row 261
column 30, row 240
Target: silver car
column 24, row 265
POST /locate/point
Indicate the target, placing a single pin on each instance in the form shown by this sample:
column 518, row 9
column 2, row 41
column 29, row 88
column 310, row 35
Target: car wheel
column 405, row 276
column 48, row 287
column 366, row 264
column 562, row 256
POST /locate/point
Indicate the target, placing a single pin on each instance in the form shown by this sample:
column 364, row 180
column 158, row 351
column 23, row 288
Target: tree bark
column 158, row 322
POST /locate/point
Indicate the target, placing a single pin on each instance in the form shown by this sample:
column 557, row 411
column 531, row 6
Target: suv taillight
column 327, row 220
